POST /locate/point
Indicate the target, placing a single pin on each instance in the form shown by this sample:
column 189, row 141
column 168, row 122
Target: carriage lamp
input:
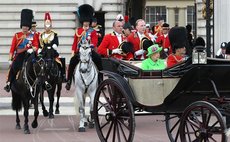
column 199, row 55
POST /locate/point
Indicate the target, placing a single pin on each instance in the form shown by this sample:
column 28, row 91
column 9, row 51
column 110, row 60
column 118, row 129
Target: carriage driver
column 22, row 42
column 85, row 14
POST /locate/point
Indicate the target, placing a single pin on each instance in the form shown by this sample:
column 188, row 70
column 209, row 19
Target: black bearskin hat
column 85, row 13
column 178, row 37
column 126, row 47
column 26, row 18
column 146, row 43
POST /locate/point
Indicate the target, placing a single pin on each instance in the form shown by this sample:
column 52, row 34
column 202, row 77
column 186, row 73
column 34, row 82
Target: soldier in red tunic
column 178, row 39
column 22, row 42
column 109, row 46
column 136, row 37
column 163, row 41
column 86, row 32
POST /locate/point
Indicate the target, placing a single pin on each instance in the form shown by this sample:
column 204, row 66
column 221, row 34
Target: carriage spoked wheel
column 113, row 112
column 172, row 123
column 202, row 122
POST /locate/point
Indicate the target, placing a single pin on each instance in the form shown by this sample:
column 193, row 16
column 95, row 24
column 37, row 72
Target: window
column 155, row 13
column 191, row 17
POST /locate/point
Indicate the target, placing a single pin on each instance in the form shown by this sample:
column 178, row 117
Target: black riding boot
column 73, row 63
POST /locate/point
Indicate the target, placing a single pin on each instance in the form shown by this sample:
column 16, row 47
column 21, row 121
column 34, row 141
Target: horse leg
column 36, row 113
column 81, row 110
column 59, row 87
column 51, row 101
column 18, row 126
column 44, row 111
column 26, row 114
column 17, row 106
column 91, row 120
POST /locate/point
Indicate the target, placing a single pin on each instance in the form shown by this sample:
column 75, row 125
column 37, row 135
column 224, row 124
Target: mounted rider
column 22, row 42
column 49, row 39
column 86, row 32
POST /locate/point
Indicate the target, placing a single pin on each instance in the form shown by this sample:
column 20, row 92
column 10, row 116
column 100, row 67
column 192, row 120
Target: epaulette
column 99, row 26
column 53, row 31
column 112, row 34
column 79, row 35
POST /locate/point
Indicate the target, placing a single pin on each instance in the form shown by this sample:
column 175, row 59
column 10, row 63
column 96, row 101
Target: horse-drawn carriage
column 194, row 98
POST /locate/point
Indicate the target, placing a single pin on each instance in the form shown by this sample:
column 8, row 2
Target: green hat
column 154, row 49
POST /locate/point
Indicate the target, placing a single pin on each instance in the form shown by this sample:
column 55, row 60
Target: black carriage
column 194, row 98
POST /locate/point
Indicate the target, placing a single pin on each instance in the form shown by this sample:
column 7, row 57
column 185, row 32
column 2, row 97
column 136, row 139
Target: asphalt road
column 64, row 127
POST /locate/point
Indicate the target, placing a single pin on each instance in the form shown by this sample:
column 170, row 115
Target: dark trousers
column 75, row 60
column 16, row 66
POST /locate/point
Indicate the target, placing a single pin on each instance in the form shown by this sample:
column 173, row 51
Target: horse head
column 49, row 57
column 85, row 53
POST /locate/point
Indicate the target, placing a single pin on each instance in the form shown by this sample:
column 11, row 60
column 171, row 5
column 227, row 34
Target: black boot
column 68, row 85
column 7, row 88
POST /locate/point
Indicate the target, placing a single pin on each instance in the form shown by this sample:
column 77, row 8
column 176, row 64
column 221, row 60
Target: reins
column 35, row 82
column 87, row 85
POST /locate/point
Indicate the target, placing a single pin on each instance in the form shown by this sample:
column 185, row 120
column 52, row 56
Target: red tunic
column 174, row 59
column 164, row 42
column 19, row 39
column 78, row 35
column 110, row 42
column 135, row 40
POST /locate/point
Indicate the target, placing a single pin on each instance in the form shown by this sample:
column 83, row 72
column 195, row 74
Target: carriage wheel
column 202, row 122
column 113, row 112
column 172, row 123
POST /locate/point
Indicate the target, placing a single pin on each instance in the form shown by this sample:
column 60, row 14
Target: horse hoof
column 91, row 125
column 34, row 124
column 18, row 127
column 27, row 131
column 57, row 111
column 85, row 124
column 51, row 116
column 45, row 113
column 81, row 129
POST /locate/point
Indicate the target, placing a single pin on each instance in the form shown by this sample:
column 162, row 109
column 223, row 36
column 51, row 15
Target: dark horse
column 26, row 88
column 52, row 80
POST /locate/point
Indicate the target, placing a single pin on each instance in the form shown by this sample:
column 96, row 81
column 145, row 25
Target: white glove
column 139, row 52
column 116, row 51
column 166, row 49
column 30, row 51
column 54, row 46
column 39, row 50
column 10, row 62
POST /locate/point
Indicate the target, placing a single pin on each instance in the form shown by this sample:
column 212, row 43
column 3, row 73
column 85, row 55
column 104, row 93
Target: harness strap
column 87, row 86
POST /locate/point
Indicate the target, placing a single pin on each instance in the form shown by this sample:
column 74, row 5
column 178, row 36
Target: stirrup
column 48, row 86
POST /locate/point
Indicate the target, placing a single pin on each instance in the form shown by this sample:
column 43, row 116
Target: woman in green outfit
column 153, row 62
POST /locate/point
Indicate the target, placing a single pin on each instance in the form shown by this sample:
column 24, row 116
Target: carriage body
column 173, row 90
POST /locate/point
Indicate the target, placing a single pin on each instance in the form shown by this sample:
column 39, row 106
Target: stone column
column 171, row 16
column 182, row 16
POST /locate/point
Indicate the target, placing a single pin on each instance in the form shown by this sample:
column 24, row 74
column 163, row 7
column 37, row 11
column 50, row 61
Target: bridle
column 89, row 66
column 28, row 78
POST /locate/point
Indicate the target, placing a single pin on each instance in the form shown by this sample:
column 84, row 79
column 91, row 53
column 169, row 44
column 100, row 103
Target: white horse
column 86, row 81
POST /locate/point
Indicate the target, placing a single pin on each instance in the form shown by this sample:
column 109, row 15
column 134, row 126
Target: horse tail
column 16, row 101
